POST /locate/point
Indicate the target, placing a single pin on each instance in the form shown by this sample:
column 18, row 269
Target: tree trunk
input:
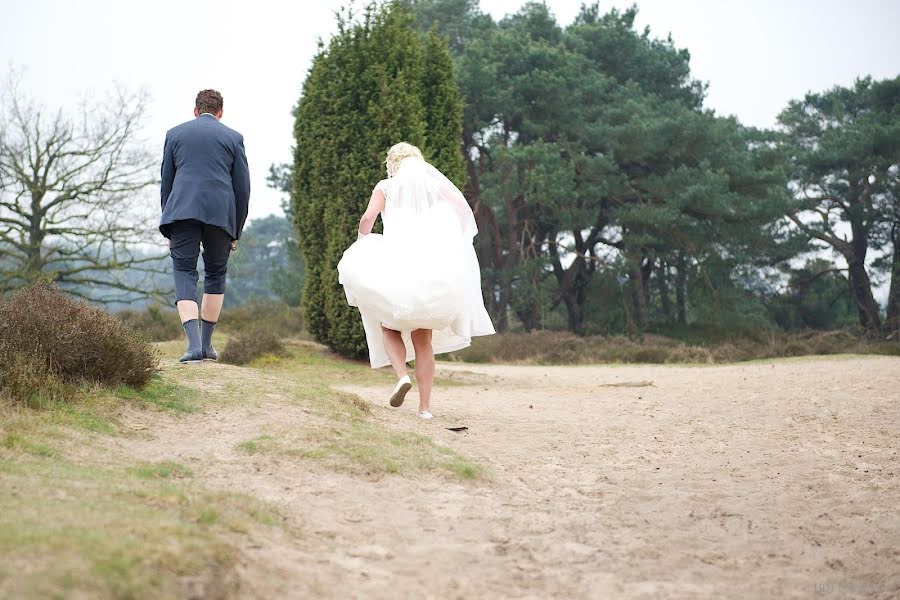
column 860, row 284
column 647, row 266
column 861, row 289
column 855, row 253
column 662, row 283
column 572, row 282
column 638, row 295
column 530, row 316
column 893, row 306
column 681, row 288
column 574, row 312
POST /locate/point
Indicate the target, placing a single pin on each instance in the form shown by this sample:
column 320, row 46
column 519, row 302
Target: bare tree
column 73, row 196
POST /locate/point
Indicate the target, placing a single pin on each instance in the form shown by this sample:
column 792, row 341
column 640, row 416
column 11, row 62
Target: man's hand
column 233, row 245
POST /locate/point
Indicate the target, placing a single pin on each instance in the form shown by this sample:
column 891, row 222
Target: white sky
column 755, row 54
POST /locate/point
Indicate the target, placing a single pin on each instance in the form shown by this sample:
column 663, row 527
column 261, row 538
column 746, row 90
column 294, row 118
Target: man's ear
column 196, row 112
column 220, row 113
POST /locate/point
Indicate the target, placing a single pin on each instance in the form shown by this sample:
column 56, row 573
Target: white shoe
column 425, row 415
column 399, row 393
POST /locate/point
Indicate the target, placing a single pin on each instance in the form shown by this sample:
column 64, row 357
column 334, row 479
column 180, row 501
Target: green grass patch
column 342, row 434
column 77, row 530
column 93, row 414
column 368, row 449
column 163, row 394
column 344, row 438
column 258, row 444
column 14, row 441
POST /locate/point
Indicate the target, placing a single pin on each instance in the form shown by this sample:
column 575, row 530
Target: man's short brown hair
column 209, row 101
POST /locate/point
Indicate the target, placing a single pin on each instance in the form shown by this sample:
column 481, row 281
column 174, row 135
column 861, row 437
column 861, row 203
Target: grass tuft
column 163, row 394
column 162, row 470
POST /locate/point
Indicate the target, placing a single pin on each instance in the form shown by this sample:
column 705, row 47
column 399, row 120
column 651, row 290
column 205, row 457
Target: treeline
column 608, row 198
column 607, row 193
column 266, row 267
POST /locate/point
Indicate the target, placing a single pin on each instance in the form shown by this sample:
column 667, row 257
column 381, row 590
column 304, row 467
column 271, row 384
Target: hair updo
column 396, row 155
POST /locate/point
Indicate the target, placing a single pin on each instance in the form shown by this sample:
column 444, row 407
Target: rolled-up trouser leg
column 184, row 249
column 216, row 250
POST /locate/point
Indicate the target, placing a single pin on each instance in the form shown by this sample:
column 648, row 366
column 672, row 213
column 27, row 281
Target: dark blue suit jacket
column 205, row 176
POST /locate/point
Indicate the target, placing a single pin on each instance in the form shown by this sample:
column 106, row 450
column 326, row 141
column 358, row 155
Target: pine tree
column 376, row 83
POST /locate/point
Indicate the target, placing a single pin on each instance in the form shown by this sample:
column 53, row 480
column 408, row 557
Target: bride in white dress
column 418, row 286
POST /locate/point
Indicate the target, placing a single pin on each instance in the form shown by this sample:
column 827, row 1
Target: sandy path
column 745, row 481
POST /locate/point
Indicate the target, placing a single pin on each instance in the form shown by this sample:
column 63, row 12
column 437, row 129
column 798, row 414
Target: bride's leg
column 421, row 339
column 395, row 349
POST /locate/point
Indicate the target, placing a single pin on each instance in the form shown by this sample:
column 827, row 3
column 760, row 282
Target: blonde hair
column 396, row 155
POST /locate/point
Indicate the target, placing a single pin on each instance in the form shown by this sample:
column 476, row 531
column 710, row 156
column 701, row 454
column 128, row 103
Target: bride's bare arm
column 376, row 205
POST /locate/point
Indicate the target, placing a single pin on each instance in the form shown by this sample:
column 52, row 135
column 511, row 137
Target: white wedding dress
column 423, row 272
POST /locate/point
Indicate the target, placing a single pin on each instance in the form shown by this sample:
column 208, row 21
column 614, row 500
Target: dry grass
column 339, row 432
column 547, row 347
column 341, row 435
column 74, row 530
column 77, row 520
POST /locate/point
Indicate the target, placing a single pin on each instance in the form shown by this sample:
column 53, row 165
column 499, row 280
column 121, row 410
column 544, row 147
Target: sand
column 770, row 479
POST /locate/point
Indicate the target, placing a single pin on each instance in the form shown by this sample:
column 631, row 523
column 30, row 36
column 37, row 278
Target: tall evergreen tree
column 376, row 83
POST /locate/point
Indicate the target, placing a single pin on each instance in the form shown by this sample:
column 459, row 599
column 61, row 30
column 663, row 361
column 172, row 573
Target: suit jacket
column 205, row 176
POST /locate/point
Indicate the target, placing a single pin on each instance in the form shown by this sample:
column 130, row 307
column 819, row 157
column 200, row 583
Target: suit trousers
column 185, row 239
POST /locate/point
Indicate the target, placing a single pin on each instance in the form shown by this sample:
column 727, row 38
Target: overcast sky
column 756, row 55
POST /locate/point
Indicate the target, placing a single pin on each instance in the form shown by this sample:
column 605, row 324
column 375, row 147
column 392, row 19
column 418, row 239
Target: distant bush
column 251, row 344
column 552, row 347
column 50, row 341
column 273, row 316
column 157, row 324
column 161, row 325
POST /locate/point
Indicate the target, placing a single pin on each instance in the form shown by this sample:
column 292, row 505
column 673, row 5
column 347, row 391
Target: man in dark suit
column 205, row 193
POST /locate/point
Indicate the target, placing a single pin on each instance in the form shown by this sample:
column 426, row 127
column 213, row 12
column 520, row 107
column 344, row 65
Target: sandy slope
column 748, row 481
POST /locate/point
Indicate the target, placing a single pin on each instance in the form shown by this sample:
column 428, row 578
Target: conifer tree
column 377, row 82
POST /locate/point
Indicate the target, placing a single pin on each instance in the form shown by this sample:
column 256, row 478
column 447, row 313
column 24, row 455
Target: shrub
column 274, row 316
column 154, row 322
column 554, row 347
column 251, row 344
column 49, row 336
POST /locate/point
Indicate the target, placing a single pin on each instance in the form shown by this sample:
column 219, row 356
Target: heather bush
column 50, row 340
column 251, row 344
column 156, row 323
column 554, row 347
column 274, row 316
